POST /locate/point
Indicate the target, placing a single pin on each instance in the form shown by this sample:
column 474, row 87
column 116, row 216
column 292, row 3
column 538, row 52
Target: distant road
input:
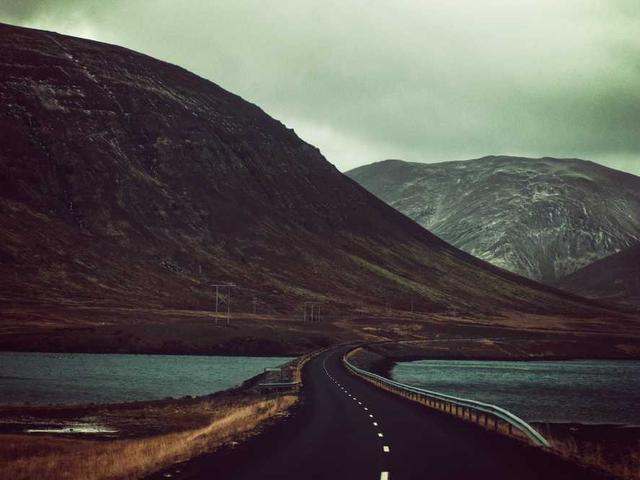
column 349, row 429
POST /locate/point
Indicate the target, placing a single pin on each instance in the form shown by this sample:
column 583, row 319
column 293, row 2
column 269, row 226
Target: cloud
column 420, row 80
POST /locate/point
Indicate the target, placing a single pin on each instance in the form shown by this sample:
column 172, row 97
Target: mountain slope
column 614, row 278
column 541, row 218
column 129, row 186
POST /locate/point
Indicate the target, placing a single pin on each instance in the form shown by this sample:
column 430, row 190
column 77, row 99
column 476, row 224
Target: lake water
column 583, row 391
column 54, row 378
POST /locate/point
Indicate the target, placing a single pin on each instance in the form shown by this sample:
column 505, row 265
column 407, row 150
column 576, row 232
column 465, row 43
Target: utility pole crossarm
column 223, row 298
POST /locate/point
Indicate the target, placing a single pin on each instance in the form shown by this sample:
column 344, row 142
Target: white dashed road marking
column 385, row 448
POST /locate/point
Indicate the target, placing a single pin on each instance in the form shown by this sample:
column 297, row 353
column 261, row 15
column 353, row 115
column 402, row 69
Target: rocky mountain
column 541, row 218
column 615, row 278
column 129, row 187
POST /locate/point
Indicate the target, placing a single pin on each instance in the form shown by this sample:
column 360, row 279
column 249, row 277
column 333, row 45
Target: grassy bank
column 150, row 435
column 25, row 457
column 614, row 449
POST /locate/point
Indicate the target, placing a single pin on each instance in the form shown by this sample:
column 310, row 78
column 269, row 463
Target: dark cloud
column 421, row 80
column 26, row 10
column 17, row 10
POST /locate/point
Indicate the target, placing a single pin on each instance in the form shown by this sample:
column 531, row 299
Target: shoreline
column 396, row 358
column 548, row 358
column 174, row 430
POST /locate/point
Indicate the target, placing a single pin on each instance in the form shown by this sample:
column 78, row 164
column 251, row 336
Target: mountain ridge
column 541, row 218
column 129, row 187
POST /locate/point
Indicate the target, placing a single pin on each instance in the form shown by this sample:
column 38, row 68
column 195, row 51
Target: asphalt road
column 348, row 429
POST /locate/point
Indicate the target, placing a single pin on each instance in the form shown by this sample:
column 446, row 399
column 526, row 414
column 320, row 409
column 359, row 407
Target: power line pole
column 217, row 304
column 311, row 312
column 223, row 298
column 228, row 305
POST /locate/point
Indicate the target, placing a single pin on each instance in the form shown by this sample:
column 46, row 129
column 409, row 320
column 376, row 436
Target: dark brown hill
column 615, row 278
column 127, row 182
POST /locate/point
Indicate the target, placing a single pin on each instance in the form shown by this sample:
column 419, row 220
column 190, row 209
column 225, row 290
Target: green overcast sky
column 420, row 80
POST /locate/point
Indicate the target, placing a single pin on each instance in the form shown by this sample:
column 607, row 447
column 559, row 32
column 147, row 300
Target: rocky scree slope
column 541, row 218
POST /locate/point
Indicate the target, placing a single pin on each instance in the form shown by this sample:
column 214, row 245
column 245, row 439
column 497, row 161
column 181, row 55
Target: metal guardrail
column 279, row 385
column 460, row 407
column 295, row 369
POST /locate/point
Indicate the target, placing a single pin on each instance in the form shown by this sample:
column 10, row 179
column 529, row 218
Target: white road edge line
column 384, row 475
column 386, row 449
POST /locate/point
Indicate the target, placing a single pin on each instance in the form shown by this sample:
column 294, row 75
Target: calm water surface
column 44, row 378
column 584, row 391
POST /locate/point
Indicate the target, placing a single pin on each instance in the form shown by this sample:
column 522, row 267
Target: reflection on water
column 61, row 378
column 587, row 391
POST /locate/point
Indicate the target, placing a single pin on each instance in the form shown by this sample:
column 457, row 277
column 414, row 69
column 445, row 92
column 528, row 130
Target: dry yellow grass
column 25, row 457
column 626, row 466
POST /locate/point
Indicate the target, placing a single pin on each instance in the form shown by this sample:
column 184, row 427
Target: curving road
column 348, row 429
